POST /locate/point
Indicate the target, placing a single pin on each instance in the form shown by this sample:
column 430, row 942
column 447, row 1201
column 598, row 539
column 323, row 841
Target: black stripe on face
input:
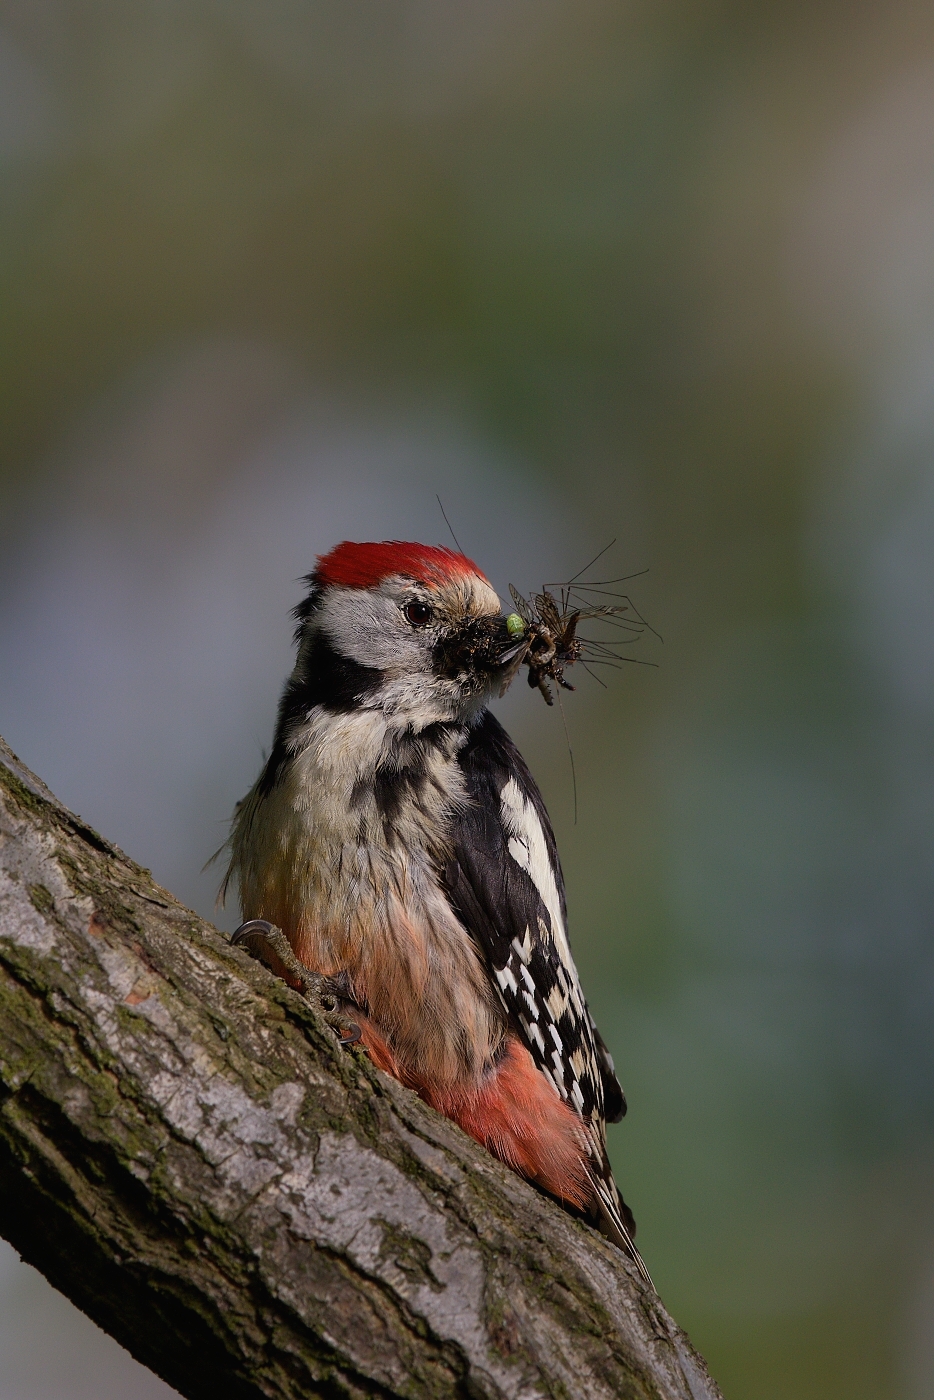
column 327, row 679
column 333, row 681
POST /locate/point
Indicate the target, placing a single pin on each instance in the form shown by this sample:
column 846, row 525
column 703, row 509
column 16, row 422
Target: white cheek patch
column 529, row 850
column 367, row 625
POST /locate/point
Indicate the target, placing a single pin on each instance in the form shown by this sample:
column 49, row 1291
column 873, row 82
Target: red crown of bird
column 351, row 565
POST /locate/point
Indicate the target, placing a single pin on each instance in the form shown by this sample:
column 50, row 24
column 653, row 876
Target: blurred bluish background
column 275, row 274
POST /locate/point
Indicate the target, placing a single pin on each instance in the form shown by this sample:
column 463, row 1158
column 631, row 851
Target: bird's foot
column 269, row 945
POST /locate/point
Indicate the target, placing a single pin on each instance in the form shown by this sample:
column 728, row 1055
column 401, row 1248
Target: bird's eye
column 418, row 613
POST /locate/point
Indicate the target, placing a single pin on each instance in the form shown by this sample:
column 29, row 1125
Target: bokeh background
column 275, row 274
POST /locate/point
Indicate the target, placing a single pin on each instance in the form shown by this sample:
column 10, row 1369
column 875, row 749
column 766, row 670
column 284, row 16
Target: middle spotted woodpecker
column 397, row 848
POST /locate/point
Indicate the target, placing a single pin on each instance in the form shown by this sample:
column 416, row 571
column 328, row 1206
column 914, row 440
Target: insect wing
column 522, row 607
column 548, row 613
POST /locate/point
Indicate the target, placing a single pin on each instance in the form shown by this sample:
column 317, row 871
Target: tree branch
column 251, row 1211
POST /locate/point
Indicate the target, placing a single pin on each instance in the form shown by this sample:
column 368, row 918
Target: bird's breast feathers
column 343, row 852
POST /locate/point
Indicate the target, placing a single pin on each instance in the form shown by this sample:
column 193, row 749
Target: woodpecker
column 395, row 860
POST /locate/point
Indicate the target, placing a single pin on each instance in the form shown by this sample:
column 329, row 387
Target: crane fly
column 546, row 628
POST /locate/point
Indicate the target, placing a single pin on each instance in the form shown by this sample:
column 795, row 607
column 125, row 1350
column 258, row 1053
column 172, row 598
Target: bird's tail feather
column 610, row 1223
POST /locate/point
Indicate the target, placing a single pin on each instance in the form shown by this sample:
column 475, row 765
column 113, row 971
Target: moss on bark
column 188, row 1155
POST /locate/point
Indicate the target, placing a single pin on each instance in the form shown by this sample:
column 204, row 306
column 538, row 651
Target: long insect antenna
column 647, row 625
column 596, row 645
column 597, row 650
column 622, row 661
column 592, row 562
column 584, row 588
column 608, row 646
column 635, row 624
column 448, row 524
column 595, row 676
column 625, row 600
column 603, row 582
column 552, row 643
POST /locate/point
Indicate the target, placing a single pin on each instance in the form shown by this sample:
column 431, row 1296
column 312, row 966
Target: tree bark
column 187, row 1154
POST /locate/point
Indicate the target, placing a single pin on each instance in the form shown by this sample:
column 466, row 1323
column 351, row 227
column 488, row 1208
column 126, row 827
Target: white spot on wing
column 507, row 979
column 523, row 950
column 529, row 849
column 557, row 1002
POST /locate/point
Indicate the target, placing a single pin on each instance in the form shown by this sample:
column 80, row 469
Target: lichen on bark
column 187, row 1154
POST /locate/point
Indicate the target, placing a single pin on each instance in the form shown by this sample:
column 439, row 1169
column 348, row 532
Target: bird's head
column 414, row 630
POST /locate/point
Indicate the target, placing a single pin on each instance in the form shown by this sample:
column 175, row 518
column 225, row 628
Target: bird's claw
column 269, row 945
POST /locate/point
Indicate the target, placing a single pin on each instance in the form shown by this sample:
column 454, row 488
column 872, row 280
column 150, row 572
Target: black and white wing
column 505, row 882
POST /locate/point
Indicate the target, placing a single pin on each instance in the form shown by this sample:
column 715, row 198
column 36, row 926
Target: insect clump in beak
column 547, row 638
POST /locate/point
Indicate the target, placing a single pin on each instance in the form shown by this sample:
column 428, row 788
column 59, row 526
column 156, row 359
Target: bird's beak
column 514, row 646
column 487, row 647
column 506, row 648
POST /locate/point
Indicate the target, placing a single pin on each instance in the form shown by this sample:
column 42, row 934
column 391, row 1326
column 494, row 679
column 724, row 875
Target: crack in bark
column 186, row 1153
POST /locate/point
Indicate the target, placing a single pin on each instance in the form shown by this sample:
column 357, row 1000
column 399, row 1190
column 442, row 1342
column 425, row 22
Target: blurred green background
column 273, row 274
